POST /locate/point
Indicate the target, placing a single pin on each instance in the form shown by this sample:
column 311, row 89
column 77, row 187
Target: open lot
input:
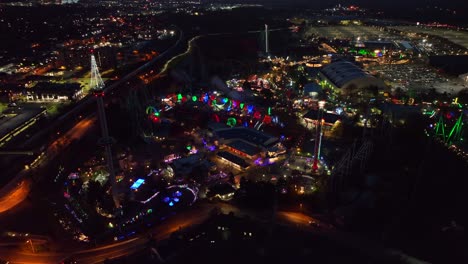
column 459, row 37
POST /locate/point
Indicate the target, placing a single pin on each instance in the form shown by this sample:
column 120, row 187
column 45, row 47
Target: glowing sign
column 137, row 184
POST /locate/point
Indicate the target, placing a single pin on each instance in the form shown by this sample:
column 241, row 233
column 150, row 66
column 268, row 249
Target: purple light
column 258, row 161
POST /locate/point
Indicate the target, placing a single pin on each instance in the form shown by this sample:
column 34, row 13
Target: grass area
column 53, row 109
column 3, row 106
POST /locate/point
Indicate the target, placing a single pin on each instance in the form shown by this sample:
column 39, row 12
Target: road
column 18, row 189
column 193, row 216
column 196, row 215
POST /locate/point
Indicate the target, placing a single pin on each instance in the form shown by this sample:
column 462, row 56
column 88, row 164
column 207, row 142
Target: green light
column 269, row 110
column 231, row 122
column 189, row 147
column 149, row 211
column 179, row 97
column 194, row 98
column 242, row 106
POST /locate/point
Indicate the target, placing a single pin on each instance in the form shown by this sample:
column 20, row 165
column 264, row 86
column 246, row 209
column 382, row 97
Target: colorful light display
column 231, row 122
column 218, row 104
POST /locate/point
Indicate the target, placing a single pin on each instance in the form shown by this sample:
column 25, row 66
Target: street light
column 32, row 246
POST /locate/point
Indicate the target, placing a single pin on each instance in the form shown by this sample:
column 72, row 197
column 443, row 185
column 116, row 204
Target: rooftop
column 249, row 135
column 244, row 147
column 233, row 158
column 341, row 72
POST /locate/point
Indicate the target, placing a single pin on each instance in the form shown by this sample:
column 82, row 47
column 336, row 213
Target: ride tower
column 318, row 136
column 267, row 48
column 96, row 85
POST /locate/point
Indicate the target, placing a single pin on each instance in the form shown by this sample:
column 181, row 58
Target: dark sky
column 457, row 4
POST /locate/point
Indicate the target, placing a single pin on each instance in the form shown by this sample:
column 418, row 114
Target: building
column 48, row 92
column 184, row 167
column 346, row 78
column 233, row 160
column 14, row 121
column 242, row 147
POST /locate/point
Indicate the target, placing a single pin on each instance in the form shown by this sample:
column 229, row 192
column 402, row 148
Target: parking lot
column 458, row 37
column 349, row 32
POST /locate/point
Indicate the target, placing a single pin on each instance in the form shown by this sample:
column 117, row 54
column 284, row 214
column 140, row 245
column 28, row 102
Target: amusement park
column 253, row 126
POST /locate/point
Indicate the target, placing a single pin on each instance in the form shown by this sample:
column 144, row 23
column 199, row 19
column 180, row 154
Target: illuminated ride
column 233, row 112
column 163, row 202
column 173, row 196
column 449, row 126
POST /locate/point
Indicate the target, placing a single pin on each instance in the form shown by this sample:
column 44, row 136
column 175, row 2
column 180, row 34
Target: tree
column 463, row 96
column 337, row 130
column 247, row 86
column 232, row 179
column 243, row 182
column 95, row 190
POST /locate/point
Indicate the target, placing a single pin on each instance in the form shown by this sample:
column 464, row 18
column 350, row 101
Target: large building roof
column 252, row 136
column 244, row 147
column 233, row 158
column 342, row 72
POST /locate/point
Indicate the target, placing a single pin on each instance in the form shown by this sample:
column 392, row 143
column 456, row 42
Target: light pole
column 32, row 246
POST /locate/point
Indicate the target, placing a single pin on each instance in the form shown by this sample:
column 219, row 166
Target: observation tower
column 97, row 87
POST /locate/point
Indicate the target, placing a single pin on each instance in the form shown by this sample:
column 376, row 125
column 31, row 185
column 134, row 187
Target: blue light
column 137, row 184
column 176, row 200
column 178, row 193
column 206, row 98
column 171, row 204
column 166, row 199
column 225, row 100
column 250, row 109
